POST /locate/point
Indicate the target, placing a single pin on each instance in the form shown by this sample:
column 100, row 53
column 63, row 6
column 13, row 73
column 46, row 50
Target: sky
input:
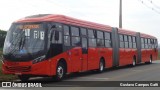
column 137, row 16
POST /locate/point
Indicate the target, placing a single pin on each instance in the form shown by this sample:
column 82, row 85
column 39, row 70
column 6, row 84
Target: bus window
column 67, row 40
column 121, row 37
column 92, row 42
column 91, row 34
column 125, row 38
column 121, row 41
column 100, row 42
column 107, row 36
column 76, row 41
column 66, row 30
column 100, row 34
column 74, row 31
column 83, row 32
column 108, row 43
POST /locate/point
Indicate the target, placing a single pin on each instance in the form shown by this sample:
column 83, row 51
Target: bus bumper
column 21, row 68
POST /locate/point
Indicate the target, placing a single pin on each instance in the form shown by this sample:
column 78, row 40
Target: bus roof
column 127, row 32
column 147, row 36
column 77, row 22
column 65, row 20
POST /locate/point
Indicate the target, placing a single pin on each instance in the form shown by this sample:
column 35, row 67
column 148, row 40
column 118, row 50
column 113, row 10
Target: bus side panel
column 122, row 56
column 154, row 54
column 93, row 59
column 76, row 55
column 127, row 57
column 143, row 53
column 108, row 57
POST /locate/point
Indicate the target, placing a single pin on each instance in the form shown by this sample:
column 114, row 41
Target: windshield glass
column 24, row 42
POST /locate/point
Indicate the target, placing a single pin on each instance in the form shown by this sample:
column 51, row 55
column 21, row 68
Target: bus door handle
column 81, row 58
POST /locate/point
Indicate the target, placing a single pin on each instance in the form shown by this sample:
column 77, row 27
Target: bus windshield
column 24, row 42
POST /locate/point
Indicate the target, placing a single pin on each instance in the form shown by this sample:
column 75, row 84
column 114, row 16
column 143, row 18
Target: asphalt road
column 141, row 72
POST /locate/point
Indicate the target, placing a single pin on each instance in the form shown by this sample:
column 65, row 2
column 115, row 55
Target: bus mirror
column 56, row 36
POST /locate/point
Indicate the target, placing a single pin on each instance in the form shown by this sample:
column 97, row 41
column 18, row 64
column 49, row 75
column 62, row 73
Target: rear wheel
column 60, row 72
column 134, row 62
column 23, row 78
column 101, row 66
column 150, row 61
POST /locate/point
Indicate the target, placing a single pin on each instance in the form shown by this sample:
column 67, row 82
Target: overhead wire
column 152, row 8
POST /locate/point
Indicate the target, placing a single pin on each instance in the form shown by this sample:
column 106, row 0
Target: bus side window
column 66, row 38
column 108, row 42
column 134, row 42
column 146, row 43
column 130, row 41
column 125, row 41
column 100, row 38
column 75, row 36
column 66, row 30
column 121, row 41
column 83, row 32
column 142, row 43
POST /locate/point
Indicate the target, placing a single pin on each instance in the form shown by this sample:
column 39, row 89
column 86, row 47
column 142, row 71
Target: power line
column 152, row 8
column 158, row 7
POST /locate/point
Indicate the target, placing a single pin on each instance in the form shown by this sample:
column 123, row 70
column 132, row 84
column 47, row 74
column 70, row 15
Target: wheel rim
column 101, row 66
column 150, row 60
column 60, row 71
column 134, row 63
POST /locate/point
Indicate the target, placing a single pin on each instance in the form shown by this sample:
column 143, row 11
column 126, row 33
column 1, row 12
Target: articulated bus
column 56, row 45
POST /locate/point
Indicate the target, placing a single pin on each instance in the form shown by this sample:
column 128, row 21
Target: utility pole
column 120, row 14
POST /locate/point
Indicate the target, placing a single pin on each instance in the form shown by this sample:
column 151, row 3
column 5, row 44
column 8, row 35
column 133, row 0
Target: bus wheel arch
column 63, row 61
column 61, row 69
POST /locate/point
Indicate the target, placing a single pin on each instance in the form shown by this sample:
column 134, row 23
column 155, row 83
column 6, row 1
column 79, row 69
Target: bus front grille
column 18, row 68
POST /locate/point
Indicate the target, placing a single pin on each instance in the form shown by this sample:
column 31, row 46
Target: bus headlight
column 39, row 59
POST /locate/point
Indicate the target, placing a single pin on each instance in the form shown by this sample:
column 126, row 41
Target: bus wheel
column 134, row 62
column 101, row 66
column 23, row 78
column 60, row 72
column 150, row 61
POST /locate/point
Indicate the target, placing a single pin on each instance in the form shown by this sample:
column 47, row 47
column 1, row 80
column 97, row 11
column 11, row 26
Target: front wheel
column 60, row 72
column 23, row 78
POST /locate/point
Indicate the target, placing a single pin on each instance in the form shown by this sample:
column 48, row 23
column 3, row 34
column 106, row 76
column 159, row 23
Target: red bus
column 56, row 45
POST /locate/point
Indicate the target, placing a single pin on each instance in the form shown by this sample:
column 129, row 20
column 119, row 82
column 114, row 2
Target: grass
column 4, row 77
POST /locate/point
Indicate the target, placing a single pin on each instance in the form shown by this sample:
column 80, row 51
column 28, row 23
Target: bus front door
column 84, row 57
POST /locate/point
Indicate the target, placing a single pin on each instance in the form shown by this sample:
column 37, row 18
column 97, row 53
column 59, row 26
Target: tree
column 2, row 37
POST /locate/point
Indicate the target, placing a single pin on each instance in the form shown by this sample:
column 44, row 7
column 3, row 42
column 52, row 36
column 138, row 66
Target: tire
column 150, row 61
column 23, row 78
column 60, row 72
column 134, row 63
column 101, row 66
